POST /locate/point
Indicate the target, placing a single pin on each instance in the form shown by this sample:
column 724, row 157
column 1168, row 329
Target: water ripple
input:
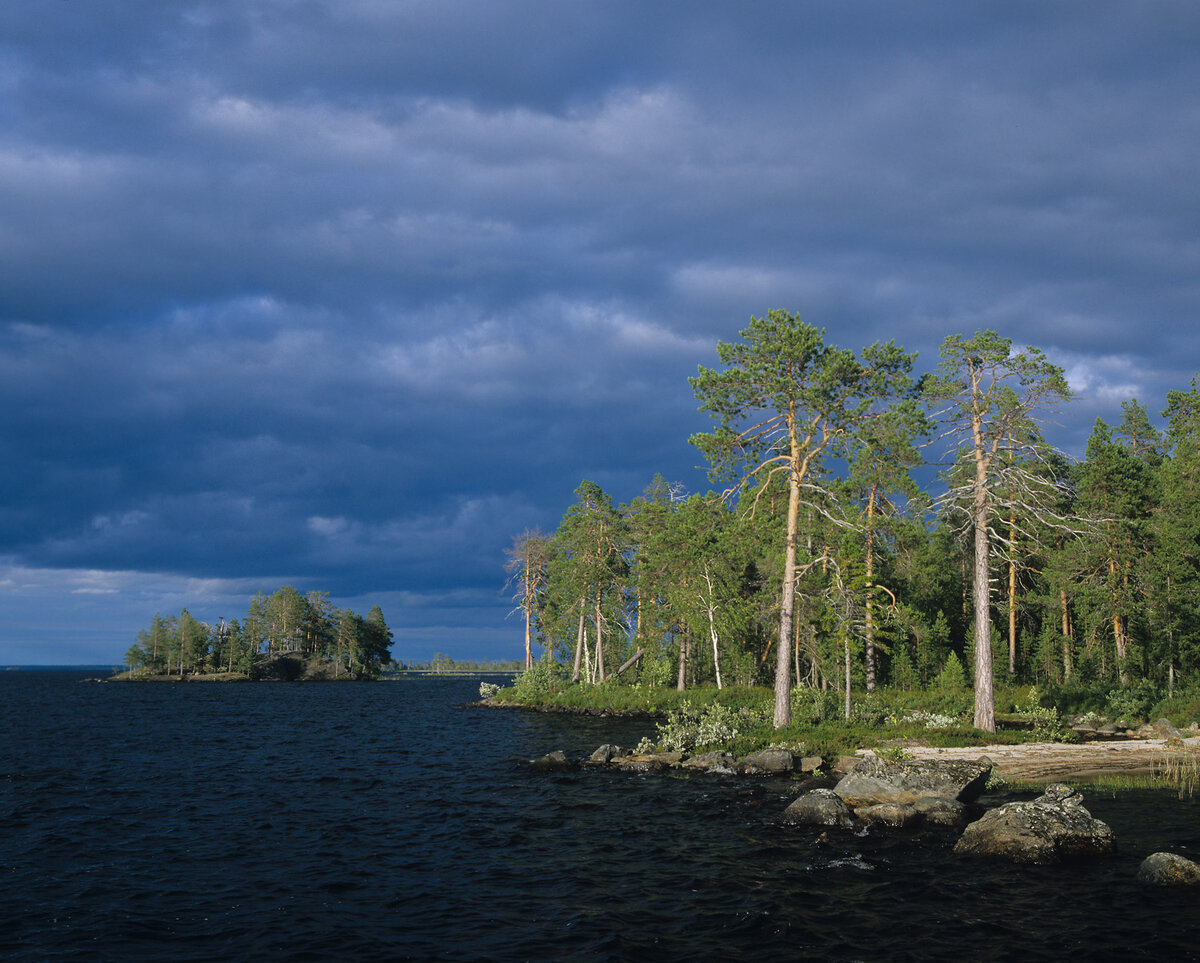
column 394, row 821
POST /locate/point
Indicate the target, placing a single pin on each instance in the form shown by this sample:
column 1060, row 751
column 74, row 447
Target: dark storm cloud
column 347, row 293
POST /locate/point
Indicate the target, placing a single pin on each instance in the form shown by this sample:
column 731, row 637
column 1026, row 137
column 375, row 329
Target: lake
column 394, row 820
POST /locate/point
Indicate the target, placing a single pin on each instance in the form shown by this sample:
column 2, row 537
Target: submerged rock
column 939, row 811
column 888, row 814
column 556, row 761
column 1167, row 869
column 875, row 781
column 821, row 807
column 1043, row 830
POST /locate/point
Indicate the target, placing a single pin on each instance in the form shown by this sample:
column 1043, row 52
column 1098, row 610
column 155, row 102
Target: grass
column 818, row 728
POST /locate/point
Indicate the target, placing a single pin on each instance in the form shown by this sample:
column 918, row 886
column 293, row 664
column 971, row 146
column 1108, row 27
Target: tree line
column 818, row 559
column 280, row 623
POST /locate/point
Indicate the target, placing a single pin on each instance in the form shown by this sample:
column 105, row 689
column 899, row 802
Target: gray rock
column 811, row 763
column 649, row 762
column 888, row 814
column 845, row 764
column 1043, row 830
column 821, row 807
column 607, row 753
column 879, row 781
column 768, row 762
column 1167, row 869
column 1167, row 731
column 938, row 811
column 556, row 761
column 716, row 761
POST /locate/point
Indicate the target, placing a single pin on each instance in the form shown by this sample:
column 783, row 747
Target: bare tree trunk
column 579, row 645
column 868, row 604
column 1066, row 631
column 846, row 643
column 599, row 638
column 985, row 710
column 712, row 625
column 681, row 684
column 529, row 597
column 1012, row 598
column 783, row 658
column 630, row 661
column 1118, row 625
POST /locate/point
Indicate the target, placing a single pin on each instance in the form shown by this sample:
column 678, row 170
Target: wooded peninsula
column 819, row 566
column 283, row 635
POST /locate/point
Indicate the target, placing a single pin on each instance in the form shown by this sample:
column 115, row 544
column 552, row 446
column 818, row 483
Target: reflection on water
column 395, row 821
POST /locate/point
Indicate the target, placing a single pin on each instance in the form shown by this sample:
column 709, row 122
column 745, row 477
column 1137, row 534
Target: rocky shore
column 865, row 792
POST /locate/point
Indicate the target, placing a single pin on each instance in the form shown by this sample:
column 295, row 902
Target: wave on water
column 393, row 820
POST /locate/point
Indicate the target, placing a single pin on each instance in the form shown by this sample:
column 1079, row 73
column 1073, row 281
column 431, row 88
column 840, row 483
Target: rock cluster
column 908, row 793
column 765, row 762
column 896, row 794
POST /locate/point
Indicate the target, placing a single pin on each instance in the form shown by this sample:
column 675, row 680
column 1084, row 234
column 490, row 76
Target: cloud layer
column 345, row 294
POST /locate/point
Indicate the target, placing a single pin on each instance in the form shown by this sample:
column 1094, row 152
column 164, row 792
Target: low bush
column 1182, row 709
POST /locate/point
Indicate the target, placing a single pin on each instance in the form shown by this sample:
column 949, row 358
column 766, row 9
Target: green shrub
column 690, row 727
column 536, row 683
column 1182, row 709
column 655, row 670
column 1133, row 703
column 1044, row 720
column 952, row 678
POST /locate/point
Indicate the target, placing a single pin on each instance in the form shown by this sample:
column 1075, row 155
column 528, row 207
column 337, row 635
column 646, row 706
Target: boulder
column 768, row 762
column 876, row 780
column 810, row 764
column 821, row 807
column 649, row 761
column 845, row 764
column 938, row 811
column 1167, row 869
column 555, row 761
column 1167, row 731
column 1043, row 830
column 888, row 814
column 716, row 761
column 607, row 753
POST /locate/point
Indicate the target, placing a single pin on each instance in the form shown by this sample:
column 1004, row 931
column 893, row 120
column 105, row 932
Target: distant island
column 284, row 636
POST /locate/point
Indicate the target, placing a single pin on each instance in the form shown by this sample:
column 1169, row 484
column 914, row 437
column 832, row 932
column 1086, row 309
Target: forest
column 873, row 527
column 283, row 622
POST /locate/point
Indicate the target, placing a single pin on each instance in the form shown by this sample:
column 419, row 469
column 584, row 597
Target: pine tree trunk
column 1066, row 632
column 783, row 658
column 528, row 618
column 1117, row 625
column 985, row 712
column 869, row 602
column 681, row 683
column 599, row 639
column 1012, row 599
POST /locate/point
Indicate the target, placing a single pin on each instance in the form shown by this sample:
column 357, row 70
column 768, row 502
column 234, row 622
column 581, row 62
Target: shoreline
column 1057, row 762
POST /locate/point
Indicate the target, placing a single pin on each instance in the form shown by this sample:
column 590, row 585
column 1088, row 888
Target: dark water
column 393, row 821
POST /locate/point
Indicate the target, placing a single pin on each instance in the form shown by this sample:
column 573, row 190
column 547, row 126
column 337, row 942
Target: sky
column 344, row 294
